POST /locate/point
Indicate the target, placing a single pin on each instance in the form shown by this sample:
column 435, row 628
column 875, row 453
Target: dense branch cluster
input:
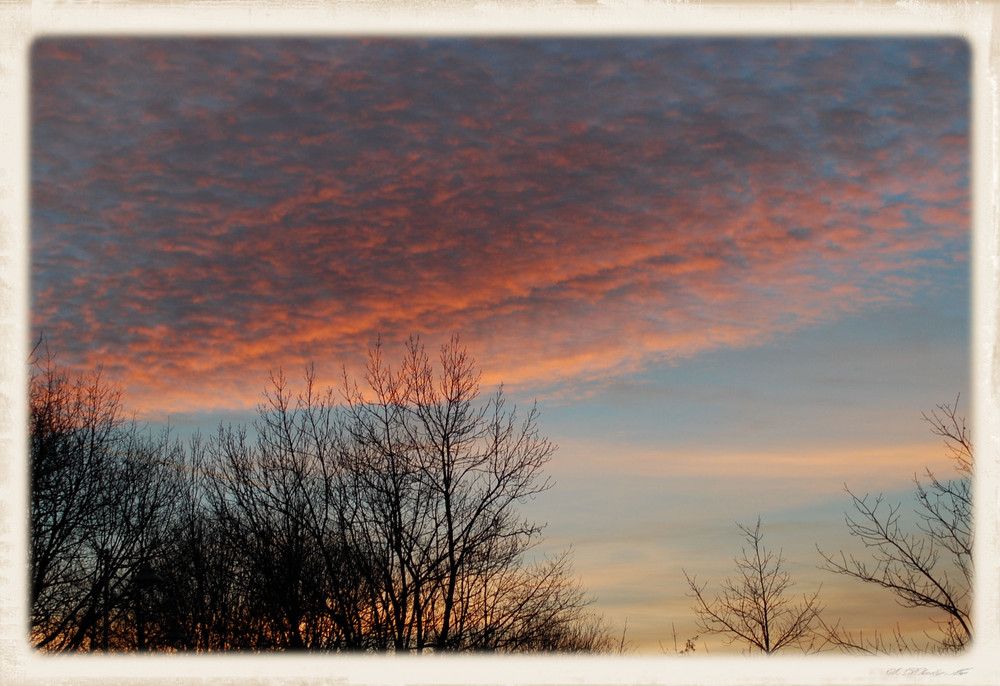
column 382, row 518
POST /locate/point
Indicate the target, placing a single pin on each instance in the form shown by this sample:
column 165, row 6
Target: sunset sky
column 733, row 273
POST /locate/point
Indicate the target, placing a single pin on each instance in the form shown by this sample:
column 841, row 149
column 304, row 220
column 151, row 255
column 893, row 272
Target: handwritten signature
column 921, row 671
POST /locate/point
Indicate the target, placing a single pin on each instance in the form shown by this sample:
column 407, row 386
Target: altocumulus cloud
column 577, row 209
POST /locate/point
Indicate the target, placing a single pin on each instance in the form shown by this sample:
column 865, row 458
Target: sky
column 733, row 273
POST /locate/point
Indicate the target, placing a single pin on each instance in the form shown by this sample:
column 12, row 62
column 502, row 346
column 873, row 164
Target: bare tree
column 437, row 473
column 755, row 607
column 478, row 461
column 392, row 520
column 386, row 522
column 279, row 497
column 102, row 495
column 929, row 567
column 204, row 570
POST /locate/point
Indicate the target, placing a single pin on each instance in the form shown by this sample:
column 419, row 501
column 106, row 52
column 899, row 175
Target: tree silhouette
column 102, row 496
column 382, row 520
column 436, row 473
column 755, row 607
column 930, row 567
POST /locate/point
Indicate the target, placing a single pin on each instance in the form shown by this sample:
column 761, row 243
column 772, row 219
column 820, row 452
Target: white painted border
column 22, row 22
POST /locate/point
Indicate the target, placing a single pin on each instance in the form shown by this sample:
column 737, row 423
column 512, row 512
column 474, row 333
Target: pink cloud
column 227, row 208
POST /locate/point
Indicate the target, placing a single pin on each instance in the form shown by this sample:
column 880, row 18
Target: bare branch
column 929, row 568
column 755, row 607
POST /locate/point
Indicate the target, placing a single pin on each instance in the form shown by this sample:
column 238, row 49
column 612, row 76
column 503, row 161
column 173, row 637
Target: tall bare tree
column 439, row 472
column 102, row 493
column 756, row 607
column 278, row 497
column 929, row 566
column 478, row 460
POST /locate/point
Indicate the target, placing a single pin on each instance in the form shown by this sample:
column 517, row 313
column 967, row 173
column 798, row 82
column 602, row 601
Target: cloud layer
column 203, row 210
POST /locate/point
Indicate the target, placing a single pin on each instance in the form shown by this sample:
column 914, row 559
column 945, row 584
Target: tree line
column 383, row 517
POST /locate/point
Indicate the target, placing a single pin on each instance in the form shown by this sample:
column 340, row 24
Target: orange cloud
column 204, row 211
